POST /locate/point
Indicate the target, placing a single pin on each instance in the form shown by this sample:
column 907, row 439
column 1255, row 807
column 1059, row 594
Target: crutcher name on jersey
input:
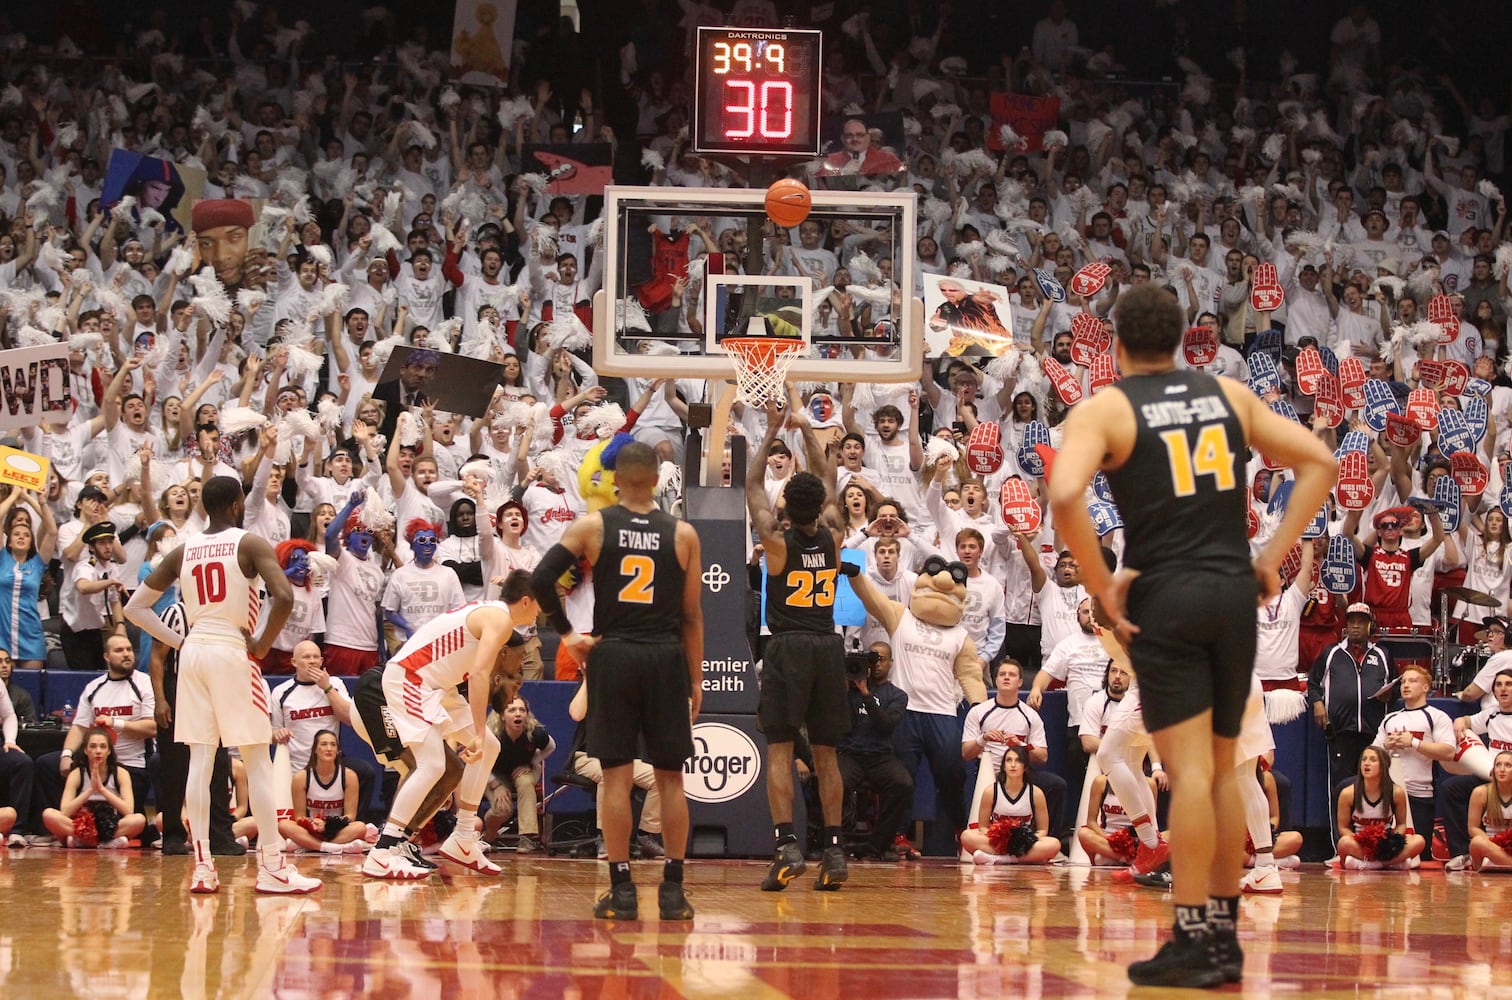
column 1166, row 413
column 219, row 551
column 645, row 541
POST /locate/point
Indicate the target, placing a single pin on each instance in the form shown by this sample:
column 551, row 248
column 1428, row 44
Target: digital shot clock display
column 757, row 91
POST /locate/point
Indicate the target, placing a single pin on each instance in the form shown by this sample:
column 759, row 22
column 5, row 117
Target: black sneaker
column 1229, row 955
column 415, row 855
column 788, row 865
column 1186, row 963
column 1160, row 878
column 619, row 903
column 673, row 902
column 174, row 846
column 832, row 870
column 227, row 848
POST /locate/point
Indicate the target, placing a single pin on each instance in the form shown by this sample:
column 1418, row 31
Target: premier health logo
column 715, row 578
column 724, row 766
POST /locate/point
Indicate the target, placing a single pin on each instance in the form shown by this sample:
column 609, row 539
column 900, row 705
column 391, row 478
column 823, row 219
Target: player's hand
column 473, row 752
column 282, row 736
column 164, row 717
column 579, row 645
column 1114, row 601
column 1162, row 780
column 1320, row 715
column 695, row 703
column 259, row 646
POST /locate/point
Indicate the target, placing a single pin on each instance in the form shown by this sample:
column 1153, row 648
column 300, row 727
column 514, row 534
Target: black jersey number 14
column 1210, row 456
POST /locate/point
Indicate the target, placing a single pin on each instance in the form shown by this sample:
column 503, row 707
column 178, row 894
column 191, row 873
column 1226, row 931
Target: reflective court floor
column 121, row 924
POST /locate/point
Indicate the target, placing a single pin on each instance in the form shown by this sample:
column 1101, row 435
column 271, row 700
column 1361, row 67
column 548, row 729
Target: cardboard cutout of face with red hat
column 222, row 227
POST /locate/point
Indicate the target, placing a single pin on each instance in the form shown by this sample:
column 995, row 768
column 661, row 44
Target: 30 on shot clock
column 757, row 91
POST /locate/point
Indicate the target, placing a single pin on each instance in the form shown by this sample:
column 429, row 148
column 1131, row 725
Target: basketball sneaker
column 673, row 902
column 204, row 879
column 468, row 854
column 415, row 855
column 284, row 880
column 788, row 865
column 905, row 850
column 1150, row 858
column 833, row 870
column 1265, row 879
column 392, row 863
column 1228, row 955
column 619, row 903
column 1181, row 962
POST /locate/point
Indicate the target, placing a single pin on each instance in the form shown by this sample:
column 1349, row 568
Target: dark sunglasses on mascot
column 957, row 571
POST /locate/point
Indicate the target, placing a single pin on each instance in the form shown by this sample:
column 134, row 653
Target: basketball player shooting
column 222, row 697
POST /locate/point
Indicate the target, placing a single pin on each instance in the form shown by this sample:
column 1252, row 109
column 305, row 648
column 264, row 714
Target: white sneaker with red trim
column 284, row 880
column 468, row 854
column 204, row 879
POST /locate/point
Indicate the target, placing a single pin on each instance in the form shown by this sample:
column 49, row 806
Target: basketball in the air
column 788, row 202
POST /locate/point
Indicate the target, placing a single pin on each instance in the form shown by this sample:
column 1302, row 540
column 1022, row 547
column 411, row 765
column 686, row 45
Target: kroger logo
column 724, row 766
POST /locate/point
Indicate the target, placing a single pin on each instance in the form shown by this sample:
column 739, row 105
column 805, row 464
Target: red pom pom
column 308, row 823
column 1124, row 843
column 1368, row 836
column 84, row 829
column 1000, row 833
column 1503, row 839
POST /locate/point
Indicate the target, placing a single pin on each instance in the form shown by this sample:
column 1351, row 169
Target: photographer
column 866, row 754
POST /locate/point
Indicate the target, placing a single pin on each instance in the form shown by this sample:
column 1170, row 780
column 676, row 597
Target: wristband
column 849, row 569
column 1416, row 743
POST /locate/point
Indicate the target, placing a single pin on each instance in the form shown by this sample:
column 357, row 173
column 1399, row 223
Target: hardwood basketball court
column 104, row 924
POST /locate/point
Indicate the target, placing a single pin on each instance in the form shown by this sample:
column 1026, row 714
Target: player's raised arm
column 139, row 609
column 760, row 509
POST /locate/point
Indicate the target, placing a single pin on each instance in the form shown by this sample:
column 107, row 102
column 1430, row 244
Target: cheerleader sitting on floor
column 98, row 808
column 1011, row 818
column 1373, row 818
column 1491, row 818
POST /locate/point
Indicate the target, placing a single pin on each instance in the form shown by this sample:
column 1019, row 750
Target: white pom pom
column 938, row 448
column 374, row 513
column 1491, row 191
column 480, row 468
column 328, row 415
column 180, row 261
column 301, row 362
column 238, row 419
column 653, row 160
column 301, row 424
column 601, row 421
column 1056, row 139
column 1311, row 155
column 1503, row 263
column 210, row 298
column 249, row 299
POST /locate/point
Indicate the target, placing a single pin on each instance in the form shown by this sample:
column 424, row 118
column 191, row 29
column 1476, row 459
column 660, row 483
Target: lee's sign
column 34, row 386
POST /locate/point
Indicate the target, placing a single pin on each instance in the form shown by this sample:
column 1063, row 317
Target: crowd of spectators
column 388, row 206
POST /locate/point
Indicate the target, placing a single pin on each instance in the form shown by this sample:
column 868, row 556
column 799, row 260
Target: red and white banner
column 1329, row 402
column 1422, row 408
column 1470, row 472
column 1266, row 294
column 1352, row 377
column 1403, row 431
column 1031, row 118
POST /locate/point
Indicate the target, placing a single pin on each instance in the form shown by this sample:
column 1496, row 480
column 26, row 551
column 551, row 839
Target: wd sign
column 724, row 766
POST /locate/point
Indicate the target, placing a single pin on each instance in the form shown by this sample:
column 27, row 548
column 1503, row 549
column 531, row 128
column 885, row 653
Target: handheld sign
column 1447, row 497
column 1423, row 409
column 1292, row 564
column 1090, row 279
column 1352, row 377
column 1309, row 370
column 984, row 454
column 1283, row 408
column 1329, row 403
column 35, row 385
column 1330, row 360
column 1354, row 490
column 1269, row 342
column 1318, row 526
column 1063, row 382
column 1279, row 497
column 1251, row 521
column 1105, row 517
column 1441, row 313
column 1401, row 431
column 1199, row 345
column 1101, row 373
column 1470, row 472
column 1049, row 287
column 1029, row 459
column 1353, row 441
column 1266, row 295
column 1456, row 377
column 1089, row 339
column 1263, row 377
column 1021, row 512
column 1101, row 488
column 1477, row 413
column 1431, row 373
column 1454, row 432
column 1379, row 401
column 1477, row 386
column 1505, row 500
column 23, row 469
column 1338, row 573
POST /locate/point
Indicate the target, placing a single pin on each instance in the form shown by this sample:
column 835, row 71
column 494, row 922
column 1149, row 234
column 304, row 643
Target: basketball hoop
column 761, row 365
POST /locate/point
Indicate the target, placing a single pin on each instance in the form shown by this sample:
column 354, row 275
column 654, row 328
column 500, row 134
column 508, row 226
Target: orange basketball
column 788, row 202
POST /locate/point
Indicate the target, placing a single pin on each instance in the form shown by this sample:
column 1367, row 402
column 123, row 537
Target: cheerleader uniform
column 1005, row 806
column 1368, row 811
column 322, row 800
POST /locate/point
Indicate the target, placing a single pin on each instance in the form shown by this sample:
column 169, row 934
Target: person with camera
column 865, row 754
column 1340, row 687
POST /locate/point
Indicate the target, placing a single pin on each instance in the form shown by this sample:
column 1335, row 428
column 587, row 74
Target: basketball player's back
column 220, row 600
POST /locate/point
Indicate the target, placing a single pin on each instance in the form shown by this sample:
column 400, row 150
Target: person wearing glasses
column 1388, row 564
column 1494, row 658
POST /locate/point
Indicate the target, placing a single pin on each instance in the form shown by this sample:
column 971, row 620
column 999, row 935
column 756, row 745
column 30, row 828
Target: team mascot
column 596, row 474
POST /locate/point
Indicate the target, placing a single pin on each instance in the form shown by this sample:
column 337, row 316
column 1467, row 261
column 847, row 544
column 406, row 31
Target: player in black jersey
column 803, row 664
column 644, row 663
column 1174, row 445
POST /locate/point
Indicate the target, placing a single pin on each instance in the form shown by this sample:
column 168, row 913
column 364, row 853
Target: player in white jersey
column 421, row 710
column 222, row 697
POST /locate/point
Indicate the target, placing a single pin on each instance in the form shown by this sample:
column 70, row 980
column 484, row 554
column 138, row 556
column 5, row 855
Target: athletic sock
column 619, row 872
column 1264, row 859
column 785, row 834
column 1191, row 921
column 672, row 871
column 832, row 836
column 1222, row 914
column 1147, row 833
column 466, row 836
column 271, row 857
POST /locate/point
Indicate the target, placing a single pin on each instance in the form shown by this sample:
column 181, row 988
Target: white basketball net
column 761, row 365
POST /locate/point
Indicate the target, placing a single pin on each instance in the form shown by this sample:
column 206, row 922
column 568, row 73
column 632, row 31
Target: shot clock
column 757, row 91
